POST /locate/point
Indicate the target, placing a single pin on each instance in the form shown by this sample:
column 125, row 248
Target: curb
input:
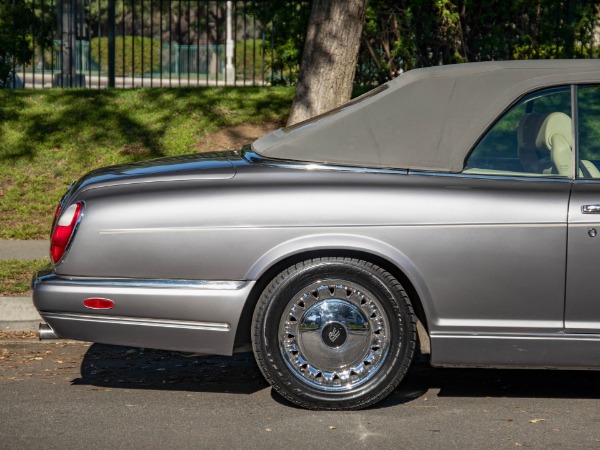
column 18, row 314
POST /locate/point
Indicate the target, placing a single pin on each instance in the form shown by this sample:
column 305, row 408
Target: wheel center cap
column 334, row 335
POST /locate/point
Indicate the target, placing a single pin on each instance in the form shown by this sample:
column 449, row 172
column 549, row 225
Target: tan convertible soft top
column 426, row 119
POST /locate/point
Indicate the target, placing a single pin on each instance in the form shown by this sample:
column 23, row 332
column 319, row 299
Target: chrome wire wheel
column 333, row 335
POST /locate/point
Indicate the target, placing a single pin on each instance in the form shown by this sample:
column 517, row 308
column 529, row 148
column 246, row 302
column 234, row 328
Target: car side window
column 533, row 138
column 588, row 131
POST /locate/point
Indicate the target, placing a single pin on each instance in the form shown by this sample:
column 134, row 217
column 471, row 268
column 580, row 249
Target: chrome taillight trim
column 61, row 203
column 71, row 238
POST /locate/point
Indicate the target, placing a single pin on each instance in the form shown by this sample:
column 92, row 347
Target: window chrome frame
column 574, row 132
column 531, row 95
column 577, row 178
column 477, row 176
column 257, row 158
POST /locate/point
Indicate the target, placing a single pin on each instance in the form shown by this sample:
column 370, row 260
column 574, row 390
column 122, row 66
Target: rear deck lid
column 201, row 166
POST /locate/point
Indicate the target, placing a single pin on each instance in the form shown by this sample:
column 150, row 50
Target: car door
column 511, row 276
column 582, row 309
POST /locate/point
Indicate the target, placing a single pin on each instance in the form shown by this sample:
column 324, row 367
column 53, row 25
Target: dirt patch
column 233, row 138
column 17, row 335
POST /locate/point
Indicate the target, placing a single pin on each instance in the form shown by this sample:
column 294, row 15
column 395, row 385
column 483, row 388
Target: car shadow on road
column 134, row 368
column 423, row 380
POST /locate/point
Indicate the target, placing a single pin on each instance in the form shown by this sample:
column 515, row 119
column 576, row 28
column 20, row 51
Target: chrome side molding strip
column 121, row 320
column 54, row 279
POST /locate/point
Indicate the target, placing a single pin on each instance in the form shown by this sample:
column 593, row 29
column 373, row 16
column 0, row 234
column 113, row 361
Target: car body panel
column 529, row 351
column 165, row 314
column 582, row 312
column 500, row 268
column 503, row 228
column 195, row 167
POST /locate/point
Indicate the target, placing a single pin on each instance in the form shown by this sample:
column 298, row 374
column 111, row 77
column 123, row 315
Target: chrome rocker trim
column 516, row 350
column 211, row 326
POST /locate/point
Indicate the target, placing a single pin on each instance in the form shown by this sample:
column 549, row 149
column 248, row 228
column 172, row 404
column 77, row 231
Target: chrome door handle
column 590, row 209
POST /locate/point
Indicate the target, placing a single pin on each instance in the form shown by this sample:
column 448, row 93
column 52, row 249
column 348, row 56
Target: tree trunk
column 329, row 58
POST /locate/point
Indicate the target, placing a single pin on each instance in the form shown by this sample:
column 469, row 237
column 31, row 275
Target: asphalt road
column 76, row 395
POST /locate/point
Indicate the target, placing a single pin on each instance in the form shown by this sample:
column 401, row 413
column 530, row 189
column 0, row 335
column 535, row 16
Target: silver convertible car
column 454, row 211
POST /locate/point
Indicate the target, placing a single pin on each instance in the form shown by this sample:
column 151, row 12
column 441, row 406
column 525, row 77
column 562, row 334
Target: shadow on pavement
column 134, row 368
column 126, row 367
column 500, row 383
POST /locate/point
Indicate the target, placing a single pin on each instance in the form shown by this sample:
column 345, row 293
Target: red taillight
column 98, row 303
column 63, row 230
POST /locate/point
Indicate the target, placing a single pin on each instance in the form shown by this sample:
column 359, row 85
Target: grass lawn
column 50, row 137
column 15, row 275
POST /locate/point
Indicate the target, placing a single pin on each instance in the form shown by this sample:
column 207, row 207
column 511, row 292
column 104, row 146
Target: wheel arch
column 392, row 260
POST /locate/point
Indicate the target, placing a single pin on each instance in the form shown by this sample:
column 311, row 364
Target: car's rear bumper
column 183, row 315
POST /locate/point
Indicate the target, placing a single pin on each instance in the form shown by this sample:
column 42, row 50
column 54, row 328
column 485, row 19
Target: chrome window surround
column 574, row 132
column 575, row 122
column 254, row 157
column 506, row 110
column 532, row 95
column 493, row 177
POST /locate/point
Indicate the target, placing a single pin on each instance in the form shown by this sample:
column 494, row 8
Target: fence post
column 68, row 77
column 67, row 43
column 111, row 43
column 230, row 47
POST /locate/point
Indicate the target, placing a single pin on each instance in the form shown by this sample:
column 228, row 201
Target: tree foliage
column 285, row 36
column 18, row 22
column 399, row 35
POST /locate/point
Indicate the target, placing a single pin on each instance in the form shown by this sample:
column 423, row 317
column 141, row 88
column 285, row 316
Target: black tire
column 351, row 343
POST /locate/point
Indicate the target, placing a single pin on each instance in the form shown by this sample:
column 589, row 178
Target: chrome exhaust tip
column 45, row 331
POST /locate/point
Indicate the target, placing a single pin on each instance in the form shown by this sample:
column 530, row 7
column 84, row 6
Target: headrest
column 528, row 130
column 554, row 123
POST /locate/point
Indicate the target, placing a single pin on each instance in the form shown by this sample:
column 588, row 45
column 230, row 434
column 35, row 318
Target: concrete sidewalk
column 18, row 313
column 24, row 249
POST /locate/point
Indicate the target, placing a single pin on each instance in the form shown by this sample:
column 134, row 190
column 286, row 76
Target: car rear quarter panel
column 481, row 254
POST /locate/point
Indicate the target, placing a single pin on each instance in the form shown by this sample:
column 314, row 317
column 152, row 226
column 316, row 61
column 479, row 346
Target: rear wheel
column 334, row 333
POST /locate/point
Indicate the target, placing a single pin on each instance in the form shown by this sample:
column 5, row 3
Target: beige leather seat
column 529, row 127
column 556, row 135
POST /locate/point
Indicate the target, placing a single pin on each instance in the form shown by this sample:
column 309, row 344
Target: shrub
column 129, row 57
column 252, row 60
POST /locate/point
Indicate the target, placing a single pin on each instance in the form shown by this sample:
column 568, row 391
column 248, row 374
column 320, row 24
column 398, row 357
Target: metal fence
column 152, row 43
